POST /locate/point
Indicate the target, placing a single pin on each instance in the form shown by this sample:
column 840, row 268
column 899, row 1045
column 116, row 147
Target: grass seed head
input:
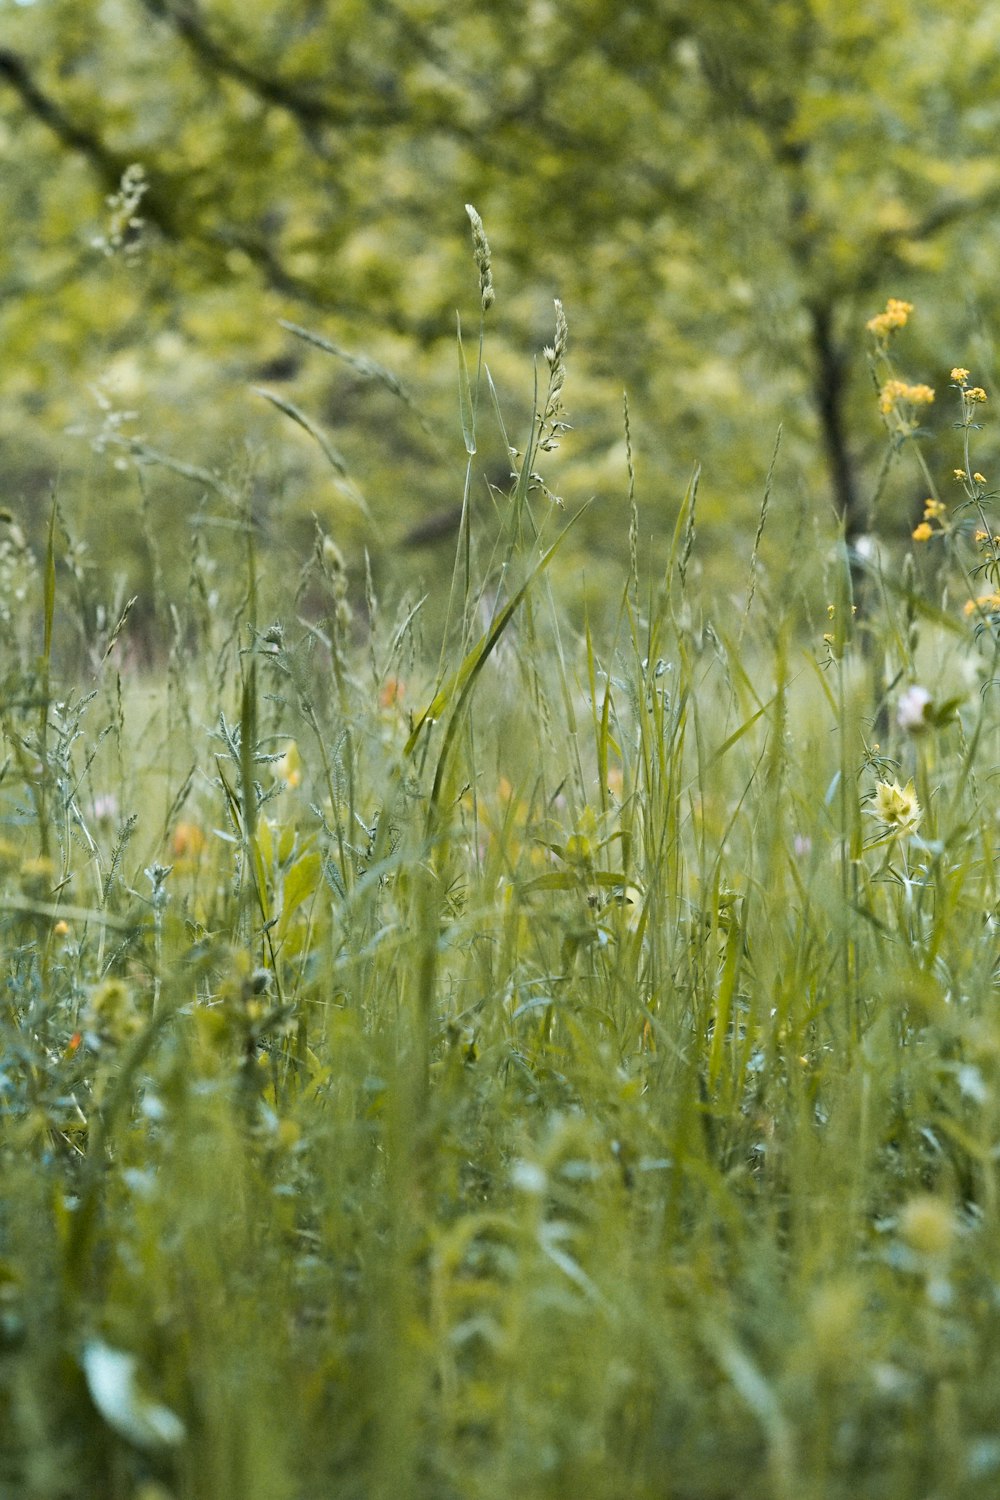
column 483, row 258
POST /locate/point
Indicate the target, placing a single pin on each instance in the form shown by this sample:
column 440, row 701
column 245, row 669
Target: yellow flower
column 976, row 394
column 933, row 509
column 897, row 807
column 928, row 1225
column 895, row 316
column 895, row 391
column 979, row 478
column 988, row 603
column 289, row 768
column 958, row 473
column 959, row 375
column 923, row 532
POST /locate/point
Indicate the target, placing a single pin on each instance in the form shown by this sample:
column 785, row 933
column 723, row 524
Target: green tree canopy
column 720, row 195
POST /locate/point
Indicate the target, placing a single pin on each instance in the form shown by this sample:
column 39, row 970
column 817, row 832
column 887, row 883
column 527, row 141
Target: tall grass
column 552, row 1064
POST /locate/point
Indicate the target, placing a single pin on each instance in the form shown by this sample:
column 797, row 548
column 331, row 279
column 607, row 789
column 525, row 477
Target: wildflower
column 911, row 710
column 897, row 807
column 934, row 509
column 928, row 1225
column 895, row 391
column 958, row 473
column 289, row 768
column 188, row 841
column 959, row 375
column 987, row 603
column 979, row 478
column 976, row 394
column 895, row 316
column 392, row 692
column 923, row 532
column 105, row 808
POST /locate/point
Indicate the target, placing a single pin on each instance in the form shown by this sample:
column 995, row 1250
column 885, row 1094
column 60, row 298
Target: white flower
column 911, row 710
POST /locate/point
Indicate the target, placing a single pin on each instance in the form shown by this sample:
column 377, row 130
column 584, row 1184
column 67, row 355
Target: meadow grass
column 558, row 1063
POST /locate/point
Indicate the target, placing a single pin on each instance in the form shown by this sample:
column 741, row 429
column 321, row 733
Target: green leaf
column 333, row 456
column 301, row 882
column 572, row 880
column 465, row 398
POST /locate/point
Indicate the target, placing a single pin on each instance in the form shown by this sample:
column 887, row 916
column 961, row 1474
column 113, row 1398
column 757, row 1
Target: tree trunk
column 828, row 386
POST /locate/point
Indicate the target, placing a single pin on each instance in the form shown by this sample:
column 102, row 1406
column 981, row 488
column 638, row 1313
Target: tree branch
column 70, row 132
column 109, row 165
column 163, row 204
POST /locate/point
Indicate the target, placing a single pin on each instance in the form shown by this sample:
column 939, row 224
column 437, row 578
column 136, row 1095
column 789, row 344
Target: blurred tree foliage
column 721, row 194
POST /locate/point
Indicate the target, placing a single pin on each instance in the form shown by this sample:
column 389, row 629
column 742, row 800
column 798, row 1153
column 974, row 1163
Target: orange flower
column 188, row 841
column 392, row 692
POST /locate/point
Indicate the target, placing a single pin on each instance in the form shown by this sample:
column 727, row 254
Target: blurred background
column 720, row 194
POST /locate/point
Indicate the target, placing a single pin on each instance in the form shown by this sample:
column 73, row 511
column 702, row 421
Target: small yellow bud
column 927, row 1224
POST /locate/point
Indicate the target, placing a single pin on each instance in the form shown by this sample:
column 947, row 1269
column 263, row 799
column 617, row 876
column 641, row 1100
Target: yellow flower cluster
column 960, row 375
column 987, row 604
column 975, row 394
column 895, row 316
column 934, row 510
column 895, row 391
